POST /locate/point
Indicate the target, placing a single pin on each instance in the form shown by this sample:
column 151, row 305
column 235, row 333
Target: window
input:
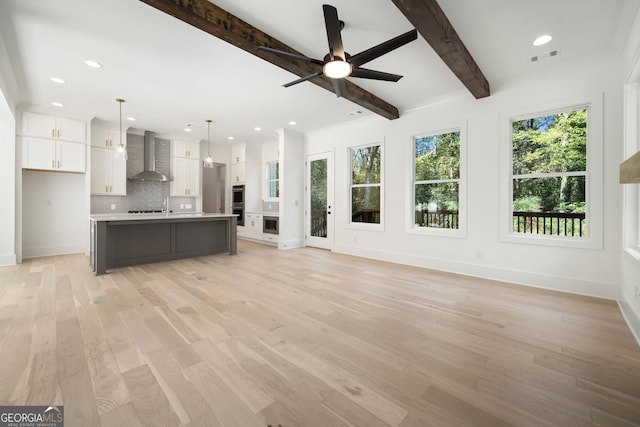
column 552, row 169
column 366, row 184
column 273, row 180
column 436, row 180
column 549, row 174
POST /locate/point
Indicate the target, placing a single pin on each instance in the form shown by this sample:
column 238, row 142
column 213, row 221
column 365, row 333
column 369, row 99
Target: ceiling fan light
column 337, row 69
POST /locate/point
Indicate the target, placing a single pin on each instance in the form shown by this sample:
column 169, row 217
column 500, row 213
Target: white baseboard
column 526, row 278
column 52, row 250
column 630, row 316
column 8, row 259
column 290, row 244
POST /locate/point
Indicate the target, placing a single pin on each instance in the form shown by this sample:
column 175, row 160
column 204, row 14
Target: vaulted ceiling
column 173, row 74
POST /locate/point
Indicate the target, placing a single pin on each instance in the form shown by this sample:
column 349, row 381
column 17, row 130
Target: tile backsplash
column 143, row 195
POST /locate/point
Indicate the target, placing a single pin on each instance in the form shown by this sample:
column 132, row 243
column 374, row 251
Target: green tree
column 366, row 168
column 437, row 170
column 551, row 144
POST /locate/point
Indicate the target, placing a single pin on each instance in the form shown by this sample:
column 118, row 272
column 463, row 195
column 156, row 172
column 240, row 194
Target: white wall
column 253, row 178
column 481, row 252
column 8, row 194
column 8, row 186
column 291, row 159
column 55, row 219
column 628, row 297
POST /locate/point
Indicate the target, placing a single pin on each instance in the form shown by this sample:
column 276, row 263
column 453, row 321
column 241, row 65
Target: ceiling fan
column 338, row 64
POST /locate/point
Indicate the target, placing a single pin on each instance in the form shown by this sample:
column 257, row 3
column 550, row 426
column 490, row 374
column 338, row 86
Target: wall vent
column 546, row 55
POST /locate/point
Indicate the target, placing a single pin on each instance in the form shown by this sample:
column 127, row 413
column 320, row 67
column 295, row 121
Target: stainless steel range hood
column 149, row 173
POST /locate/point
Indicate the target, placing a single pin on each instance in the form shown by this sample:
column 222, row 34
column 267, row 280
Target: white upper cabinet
column 71, row 130
column 237, row 173
column 53, row 143
column 108, row 173
column 107, row 138
column 49, row 154
column 190, row 150
column 238, row 153
column 186, row 177
column 38, row 153
column 237, row 169
column 70, row 156
column 46, row 126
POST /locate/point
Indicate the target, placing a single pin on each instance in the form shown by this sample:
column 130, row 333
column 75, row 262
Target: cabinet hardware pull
column 58, row 133
column 53, row 164
column 58, row 164
column 110, row 189
column 53, row 133
column 106, row 188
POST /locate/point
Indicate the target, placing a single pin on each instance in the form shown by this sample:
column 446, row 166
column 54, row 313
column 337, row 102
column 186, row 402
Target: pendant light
column 121, row 149
column 208, row 162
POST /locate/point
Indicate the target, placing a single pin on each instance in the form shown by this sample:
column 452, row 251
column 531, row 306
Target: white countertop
column 148, row 216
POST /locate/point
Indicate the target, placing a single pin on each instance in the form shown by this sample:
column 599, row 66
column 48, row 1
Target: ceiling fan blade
column 303, row 79
column 332, row 24
column 365, row 73
column 291, row 55
column 386, row 47
column 338, row 87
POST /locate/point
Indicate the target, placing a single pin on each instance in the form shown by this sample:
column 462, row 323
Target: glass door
column 319, row 201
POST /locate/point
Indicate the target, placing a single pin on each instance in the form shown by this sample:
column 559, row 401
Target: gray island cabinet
column 130, row 239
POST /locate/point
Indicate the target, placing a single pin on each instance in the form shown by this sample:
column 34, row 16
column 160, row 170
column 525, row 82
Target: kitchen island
column 122, row 240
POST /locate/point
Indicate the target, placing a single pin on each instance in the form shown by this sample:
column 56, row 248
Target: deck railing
column 550, row 223
column 547, row 223
column 371, row 216
column 437, row 219
column 319, row 223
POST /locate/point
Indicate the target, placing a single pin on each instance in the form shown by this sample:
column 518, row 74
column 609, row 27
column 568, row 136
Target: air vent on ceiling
column 356, row 113
column 542, row 56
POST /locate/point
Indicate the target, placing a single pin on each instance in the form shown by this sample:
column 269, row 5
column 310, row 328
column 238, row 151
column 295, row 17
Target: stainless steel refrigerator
column 213, row 188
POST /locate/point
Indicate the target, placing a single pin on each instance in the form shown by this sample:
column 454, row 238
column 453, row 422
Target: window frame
column 410, row 226
column 365, row 225
column 268, row 180
column 594, row 177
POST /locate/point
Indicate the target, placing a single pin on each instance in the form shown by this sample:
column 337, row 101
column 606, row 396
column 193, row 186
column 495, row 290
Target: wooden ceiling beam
column 219, row 23
column 431, row 22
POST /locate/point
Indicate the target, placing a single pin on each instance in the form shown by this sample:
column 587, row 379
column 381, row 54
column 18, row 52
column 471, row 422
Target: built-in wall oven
column 237, row 202
column 270, row 224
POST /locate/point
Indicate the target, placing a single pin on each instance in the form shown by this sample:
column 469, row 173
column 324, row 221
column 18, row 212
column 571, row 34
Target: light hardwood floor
column 308, row 338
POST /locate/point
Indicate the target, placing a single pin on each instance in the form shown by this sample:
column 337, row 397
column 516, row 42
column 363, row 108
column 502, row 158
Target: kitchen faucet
column 165, row 204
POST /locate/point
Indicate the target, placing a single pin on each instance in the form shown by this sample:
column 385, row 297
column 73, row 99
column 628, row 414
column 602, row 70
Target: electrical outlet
column 113, row 206
column 181, row 205
column 188, row 206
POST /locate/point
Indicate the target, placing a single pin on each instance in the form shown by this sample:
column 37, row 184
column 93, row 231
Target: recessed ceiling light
column 93, row 64
column 187, row 129
column 131, row 119
column 542, row 40
column 58, row 80
column 230, row 138
column 292, row 123
column 57, row 104
column 257, row 129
